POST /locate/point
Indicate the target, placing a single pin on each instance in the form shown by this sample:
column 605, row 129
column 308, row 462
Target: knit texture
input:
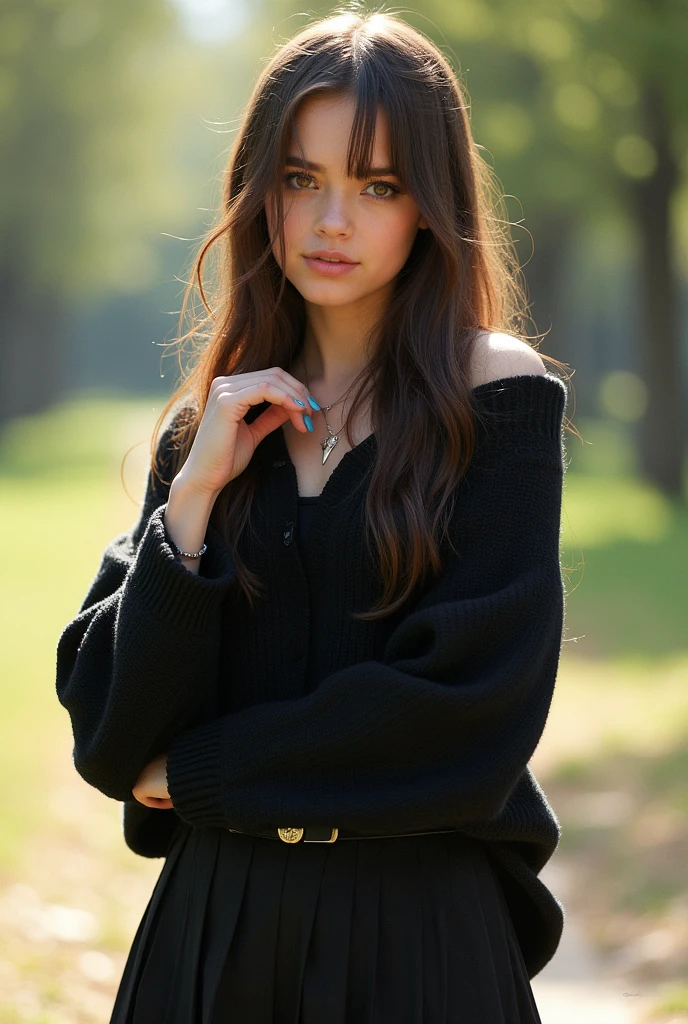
column 293, row 713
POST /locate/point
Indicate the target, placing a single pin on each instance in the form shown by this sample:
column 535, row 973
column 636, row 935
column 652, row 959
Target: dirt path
column 575, row 987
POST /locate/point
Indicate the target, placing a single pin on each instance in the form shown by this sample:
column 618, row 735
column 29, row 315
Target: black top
column 291, row 712
column 306, row 511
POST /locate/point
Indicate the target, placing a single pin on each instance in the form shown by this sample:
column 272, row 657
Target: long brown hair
column 461, row 277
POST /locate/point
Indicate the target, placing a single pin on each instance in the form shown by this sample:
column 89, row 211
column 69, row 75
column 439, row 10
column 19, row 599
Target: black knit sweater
column 293, row 713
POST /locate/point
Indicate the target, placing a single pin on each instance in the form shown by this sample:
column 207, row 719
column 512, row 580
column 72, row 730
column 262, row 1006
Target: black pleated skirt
column 249, row 930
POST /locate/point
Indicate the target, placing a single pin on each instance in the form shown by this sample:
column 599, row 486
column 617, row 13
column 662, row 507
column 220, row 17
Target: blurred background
column 116, row 121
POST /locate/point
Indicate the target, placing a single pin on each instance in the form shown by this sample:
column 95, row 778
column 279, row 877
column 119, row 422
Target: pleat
column 399, row 988
column 434, row 880
column 528, row 1012
column 122, row 1011
column 325, row 980
column 365, row 932
column 476, row 961
column 167, row 990
column 300, row 895
column 500, row 991
column 224, row 907
column 246, row 985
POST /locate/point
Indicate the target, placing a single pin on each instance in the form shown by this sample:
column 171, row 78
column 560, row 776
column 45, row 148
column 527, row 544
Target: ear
column 422, row 223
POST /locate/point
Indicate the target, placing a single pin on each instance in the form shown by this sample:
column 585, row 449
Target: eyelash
column 301, row 174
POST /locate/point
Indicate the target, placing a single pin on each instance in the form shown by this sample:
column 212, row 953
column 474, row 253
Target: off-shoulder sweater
column 294, row 713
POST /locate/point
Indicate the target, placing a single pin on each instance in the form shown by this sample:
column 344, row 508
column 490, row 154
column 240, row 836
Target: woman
column 317, row 667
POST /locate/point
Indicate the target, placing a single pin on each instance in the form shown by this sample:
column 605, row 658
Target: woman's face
column 370, row 222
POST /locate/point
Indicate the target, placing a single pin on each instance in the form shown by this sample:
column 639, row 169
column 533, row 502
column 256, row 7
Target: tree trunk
column 542, row 274
column 662, row 436
column 32, row 350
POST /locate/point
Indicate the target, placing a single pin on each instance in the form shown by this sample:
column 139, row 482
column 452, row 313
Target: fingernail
column 307, row 420
column 299, row 402
column 314, row 404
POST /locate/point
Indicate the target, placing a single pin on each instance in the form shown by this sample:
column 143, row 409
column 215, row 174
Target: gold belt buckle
column 290, row 835
column 293, row 835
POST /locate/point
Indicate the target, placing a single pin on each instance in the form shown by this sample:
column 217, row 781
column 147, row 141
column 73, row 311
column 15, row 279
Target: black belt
column 325, row 834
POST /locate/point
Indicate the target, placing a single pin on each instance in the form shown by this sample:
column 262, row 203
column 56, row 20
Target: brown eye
column 382, row 187
column 299, row 177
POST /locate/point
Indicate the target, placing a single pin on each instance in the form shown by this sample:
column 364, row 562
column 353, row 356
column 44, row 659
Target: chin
column 335, row 302
column 327, row 296
column 334, row 293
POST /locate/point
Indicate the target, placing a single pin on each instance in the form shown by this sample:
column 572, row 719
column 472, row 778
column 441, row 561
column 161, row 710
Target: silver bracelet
column 190, row 554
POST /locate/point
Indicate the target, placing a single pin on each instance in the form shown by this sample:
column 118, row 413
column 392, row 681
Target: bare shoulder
column 498, row 355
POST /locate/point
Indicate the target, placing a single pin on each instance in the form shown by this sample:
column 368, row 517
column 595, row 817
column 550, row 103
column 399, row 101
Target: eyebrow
column 295, row 161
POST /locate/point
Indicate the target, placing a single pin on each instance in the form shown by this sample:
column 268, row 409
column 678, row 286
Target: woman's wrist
column 186, row 518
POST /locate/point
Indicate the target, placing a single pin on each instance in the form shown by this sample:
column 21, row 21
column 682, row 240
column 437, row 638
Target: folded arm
column 136, row 660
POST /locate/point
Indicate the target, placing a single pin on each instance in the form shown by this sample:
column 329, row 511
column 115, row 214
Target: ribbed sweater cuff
column 168, row 588
column 193, row 775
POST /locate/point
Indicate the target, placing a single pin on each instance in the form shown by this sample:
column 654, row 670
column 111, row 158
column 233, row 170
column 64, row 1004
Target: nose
column 333, row 217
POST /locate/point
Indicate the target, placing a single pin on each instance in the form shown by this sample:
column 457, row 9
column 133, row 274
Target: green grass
column 624, row 544
column 675, row 1000
column 80, row 438
column 62, row 500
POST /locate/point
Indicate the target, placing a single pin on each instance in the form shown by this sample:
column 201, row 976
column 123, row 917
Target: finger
column 293, row 382
column 275, row 374
column 291, row 387
column 262, row 391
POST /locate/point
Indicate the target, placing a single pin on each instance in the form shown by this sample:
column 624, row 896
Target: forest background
column 116, row 121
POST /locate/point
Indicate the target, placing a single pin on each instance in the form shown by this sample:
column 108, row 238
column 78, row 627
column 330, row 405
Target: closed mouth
column 327, row 259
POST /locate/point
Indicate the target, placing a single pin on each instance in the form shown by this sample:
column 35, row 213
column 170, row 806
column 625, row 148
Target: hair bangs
column 367, row 94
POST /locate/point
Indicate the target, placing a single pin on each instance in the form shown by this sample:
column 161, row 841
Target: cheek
column 294, row 222
column 293, row 226
column 393, row 241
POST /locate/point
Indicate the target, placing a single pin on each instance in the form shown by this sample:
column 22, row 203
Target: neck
column 336, row 346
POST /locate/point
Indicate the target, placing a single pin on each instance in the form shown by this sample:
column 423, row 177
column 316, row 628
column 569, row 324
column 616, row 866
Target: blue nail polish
column 308, row 421
column 314, row 404
column 299, row 402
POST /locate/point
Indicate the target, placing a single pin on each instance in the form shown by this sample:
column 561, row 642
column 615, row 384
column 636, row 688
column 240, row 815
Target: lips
column 329, row 256
column 329, row 263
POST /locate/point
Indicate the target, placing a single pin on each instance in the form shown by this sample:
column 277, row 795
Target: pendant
column 328, row 444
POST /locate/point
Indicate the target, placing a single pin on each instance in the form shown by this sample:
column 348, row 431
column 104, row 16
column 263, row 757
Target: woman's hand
column 151, row 786
column 225, row 442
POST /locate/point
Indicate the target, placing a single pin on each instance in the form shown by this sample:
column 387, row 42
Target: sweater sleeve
column 440, row 729
column 137, row 658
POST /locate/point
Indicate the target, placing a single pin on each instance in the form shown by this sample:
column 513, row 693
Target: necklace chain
column 328, row 443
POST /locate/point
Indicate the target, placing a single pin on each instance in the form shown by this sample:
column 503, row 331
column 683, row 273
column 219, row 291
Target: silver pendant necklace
column 327, row 443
